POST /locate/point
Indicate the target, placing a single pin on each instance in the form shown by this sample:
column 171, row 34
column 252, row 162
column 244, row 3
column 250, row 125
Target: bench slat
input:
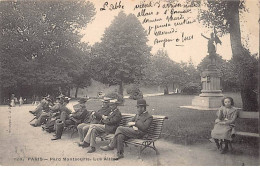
column 249, row 115
column 136, row 141
column 247, row 134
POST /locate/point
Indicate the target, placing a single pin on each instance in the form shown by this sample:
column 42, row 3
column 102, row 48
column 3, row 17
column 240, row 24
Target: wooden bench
column 248, row 115
column 244, row 115
column 74, row 127
column 153, row 134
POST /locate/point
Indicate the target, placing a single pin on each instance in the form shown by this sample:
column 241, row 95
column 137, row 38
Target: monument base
column 206, row 102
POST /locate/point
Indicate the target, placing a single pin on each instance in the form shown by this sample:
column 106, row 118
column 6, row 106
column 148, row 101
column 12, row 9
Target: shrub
column 115, row 95
column 191, row 88
column 135, row 92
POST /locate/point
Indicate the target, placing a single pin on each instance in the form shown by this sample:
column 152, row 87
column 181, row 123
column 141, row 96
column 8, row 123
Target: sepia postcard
column 148, row 76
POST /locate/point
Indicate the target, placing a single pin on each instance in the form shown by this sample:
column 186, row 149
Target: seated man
column 108, row 124
column 66, row 118
column 44, row 115
column 95, row 118
column 43, row 106
column 136, row 129
column 63, row 111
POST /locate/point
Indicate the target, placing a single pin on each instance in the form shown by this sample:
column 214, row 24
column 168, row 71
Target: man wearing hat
column 137, row 128
column 43, row 106
column 109, row 124
column 66, row 118
column 95, row 118
column 44, row 115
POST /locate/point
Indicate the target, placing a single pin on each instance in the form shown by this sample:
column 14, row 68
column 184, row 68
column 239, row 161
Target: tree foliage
column 40, row 43
column 162, row 70
column 122, row 54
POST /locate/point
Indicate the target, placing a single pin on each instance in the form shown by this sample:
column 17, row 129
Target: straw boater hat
column 141, row 102
column 106, row 100
column 67, row 99
column 114, row 101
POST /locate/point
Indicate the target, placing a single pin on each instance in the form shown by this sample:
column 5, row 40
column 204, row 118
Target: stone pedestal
column 211, row 94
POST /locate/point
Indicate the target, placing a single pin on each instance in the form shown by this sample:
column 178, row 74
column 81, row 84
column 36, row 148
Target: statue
column 211, row 46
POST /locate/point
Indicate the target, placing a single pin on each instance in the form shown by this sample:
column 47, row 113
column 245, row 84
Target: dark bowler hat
column 141, row 102
column 82, row 100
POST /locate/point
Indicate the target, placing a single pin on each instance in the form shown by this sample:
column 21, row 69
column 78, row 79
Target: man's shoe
column 218, row 146
column 106, row 148
column 118, row 156
column 92, row 149
column 56, row 138
column 83, row 144
column 224, row 151
column 32, row 124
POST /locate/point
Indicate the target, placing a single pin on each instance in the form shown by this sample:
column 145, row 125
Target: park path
column 22, row 144
column 151, row 94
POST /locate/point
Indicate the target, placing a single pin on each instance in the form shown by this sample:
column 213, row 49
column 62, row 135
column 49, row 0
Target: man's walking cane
column 33, row 119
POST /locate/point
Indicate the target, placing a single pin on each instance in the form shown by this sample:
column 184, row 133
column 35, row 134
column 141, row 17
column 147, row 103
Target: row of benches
column 148, row 141
column 155, row 130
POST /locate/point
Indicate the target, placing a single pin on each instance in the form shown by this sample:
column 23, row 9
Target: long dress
column 224, row 131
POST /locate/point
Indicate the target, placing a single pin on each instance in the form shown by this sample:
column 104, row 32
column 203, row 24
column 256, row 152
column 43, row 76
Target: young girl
column 224, row 124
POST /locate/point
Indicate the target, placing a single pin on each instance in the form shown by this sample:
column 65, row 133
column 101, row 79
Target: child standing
column 224, row 124
column 21, row 101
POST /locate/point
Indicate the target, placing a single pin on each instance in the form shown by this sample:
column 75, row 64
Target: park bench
column 245, row 115
column 73, row 127
column 148, row 141
column 248, row 115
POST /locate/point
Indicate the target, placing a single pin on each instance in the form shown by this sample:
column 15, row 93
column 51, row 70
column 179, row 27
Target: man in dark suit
column 137, row 128
column 68, row 118
column 109, row 124
column 43, row 106
column 95, row 118
column 45, row 115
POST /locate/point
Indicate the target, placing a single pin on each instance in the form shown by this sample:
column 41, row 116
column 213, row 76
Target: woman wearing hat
column 137, row 128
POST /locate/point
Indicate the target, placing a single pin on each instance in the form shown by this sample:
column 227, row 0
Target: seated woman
column 224, row 124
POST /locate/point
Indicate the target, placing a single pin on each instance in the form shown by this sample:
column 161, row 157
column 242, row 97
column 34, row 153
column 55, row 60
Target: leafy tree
column 42, row 37
column 189, row 74
column 122, row 55
column 162, row 71
column 224, row 16
column 81, row 74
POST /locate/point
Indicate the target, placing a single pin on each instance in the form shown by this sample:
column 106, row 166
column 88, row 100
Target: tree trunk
column 234, row 28
column 121, row 89
column 68, row 92
column 166, row 91
column 76, row 93
column 241, row 58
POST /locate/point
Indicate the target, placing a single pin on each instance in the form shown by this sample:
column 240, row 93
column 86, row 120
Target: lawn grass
column 184, row 126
